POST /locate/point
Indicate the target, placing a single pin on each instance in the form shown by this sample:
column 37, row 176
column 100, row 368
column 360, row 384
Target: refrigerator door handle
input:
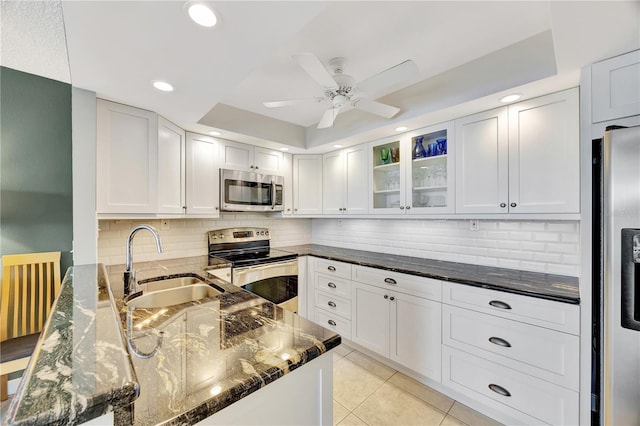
column 630, row 279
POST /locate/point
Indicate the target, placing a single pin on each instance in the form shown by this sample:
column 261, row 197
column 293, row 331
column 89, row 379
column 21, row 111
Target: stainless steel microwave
column 242, row 191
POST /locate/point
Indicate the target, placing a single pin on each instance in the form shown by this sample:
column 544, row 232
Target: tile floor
column 366, row 392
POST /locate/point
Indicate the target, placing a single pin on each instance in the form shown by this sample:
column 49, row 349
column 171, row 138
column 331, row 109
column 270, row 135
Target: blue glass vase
column 418, row 149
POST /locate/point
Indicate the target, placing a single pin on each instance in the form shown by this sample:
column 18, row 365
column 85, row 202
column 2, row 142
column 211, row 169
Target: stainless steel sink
column 164, row 282
column 173, row 296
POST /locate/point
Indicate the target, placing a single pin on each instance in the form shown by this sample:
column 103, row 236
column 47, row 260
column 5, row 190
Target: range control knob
column 221, row 235
column 266, row 232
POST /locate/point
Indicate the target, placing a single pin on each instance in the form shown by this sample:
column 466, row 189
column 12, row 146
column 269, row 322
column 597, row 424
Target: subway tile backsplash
column 548, row 247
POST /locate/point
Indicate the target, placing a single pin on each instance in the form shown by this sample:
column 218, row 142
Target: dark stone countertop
column 213, row 352
column 559, row 288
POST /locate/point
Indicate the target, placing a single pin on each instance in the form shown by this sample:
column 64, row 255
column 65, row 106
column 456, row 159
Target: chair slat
column 41, row 302
column 34, row 281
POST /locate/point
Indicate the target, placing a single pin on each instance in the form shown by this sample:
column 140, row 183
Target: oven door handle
column 250, row 274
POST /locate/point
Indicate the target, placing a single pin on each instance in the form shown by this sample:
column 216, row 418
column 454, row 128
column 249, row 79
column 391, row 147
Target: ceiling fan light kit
column 343, row 91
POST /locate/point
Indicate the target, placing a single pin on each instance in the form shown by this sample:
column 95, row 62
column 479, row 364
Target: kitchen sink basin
column 173, row 296
column 163, row 283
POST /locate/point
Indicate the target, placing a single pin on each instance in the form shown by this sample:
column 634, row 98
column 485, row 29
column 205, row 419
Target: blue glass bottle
column 418, row 149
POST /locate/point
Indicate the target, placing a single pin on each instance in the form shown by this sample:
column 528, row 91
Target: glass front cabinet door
column 414, row 173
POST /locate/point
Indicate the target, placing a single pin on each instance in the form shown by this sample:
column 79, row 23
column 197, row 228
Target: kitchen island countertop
column 559, row 288
column 212, row 353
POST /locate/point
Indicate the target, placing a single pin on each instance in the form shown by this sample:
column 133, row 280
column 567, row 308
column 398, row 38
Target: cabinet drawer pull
column 499, row 390
column 401, row 207
column 503, row 205
column 390, row 281
column 500, row 342
column 331, row 268
column 499, row 304
column 333, row 305
column 332, row 285
column 332, row 322
column 513, row 204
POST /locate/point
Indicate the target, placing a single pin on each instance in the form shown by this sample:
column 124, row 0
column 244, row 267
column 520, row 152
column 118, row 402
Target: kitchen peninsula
column 212, row 354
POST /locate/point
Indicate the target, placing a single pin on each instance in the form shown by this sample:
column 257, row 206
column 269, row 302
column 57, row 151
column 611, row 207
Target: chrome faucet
column 129, row 273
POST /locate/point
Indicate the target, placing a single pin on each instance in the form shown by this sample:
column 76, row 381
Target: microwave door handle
column 273, row 194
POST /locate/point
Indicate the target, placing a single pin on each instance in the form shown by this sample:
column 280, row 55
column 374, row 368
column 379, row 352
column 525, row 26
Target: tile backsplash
column 548, row 247
column 188, row 237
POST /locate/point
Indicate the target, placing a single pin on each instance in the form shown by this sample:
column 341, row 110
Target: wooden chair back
column 30, row 284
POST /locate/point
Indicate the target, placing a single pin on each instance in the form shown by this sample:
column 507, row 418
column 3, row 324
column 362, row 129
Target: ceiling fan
column 342, row 91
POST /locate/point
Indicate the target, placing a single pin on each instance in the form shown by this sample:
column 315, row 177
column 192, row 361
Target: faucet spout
column 129, row 273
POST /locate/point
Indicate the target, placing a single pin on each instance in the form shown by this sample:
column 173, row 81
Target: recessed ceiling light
column 201, row 14
column 401, row 128
column 162, row 85
column 215, row 133
column 510, row 98
column 337, row 146
column 284, row 149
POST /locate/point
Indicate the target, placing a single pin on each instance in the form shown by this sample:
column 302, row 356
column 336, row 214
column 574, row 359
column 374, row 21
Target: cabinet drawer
column 419, row 286
column 526, row 398
column 333, row 268
column 548, row 354
column 545, row 313
column 334, row 304
column 333, row 322
column 333, row 285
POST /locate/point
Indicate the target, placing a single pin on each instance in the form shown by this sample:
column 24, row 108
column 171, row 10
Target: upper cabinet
column 203, row 176
column 127, row 152
column 239, row 156
column 171, row 167
column 345, row 179
column 615, row 86
column 523, row 158
column 307, row 184
column 414, row 173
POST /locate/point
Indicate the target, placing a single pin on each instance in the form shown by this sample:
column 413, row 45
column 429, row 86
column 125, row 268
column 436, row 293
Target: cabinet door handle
column 332, row 322
column 256, row 167
column 332, row 304
column 390, row 281
column 392, row 298
column 331, row 268
column 408, row 207
column 386, row 296
column 499, row 304
column 251, row 167
column 331, row 285
column 500, row 342
column 499, row 390
column 503, row 205
column 401, row 207
column 513, row 204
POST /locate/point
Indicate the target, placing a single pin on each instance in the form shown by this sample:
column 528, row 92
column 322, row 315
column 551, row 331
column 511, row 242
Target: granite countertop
column 211, row 353
column 559, row 288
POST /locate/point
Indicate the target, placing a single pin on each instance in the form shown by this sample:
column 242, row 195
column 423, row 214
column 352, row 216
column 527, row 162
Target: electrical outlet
column 474, row 224
column 164, row 224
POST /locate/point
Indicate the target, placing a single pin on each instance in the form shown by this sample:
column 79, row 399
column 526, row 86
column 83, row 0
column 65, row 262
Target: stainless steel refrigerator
column 616, row 263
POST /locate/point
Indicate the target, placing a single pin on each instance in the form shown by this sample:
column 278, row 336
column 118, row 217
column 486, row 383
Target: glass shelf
column 430, row 188
column 429, row 159
column 387, row 191
column 386, row 166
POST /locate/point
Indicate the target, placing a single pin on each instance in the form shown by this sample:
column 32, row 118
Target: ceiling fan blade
column 312, row 65
column 377, row 108
column 287, row 102
column 397, row 74
column 328, row 118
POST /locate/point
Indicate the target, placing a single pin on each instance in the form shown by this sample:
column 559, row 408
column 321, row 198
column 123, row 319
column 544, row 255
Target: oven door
column 248, row 191
column 277, row 282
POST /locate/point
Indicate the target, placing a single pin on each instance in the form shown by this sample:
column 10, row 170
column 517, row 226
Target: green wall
column 35, row 165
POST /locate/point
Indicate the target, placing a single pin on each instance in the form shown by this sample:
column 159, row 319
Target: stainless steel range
column 256, row 267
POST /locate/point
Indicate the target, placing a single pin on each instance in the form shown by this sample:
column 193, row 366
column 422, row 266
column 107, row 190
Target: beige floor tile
column 339, row 412
column 425, row 393
column 352, row 420
column 452, row 421
column 390, row 405
column 471, row 416
column 352, row 384
column 342, row 350
column 371, row 365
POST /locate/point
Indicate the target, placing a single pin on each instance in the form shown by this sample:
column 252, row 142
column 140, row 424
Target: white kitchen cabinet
column 287, row 172
column 171, row 167
column 345, row 180
column 422, row 183
column 307, row 184
column 523, row 158
column 127, row 153
column 400, row 326
column 239, row 156
column 615, row 87
column 202, row 177
column 330, row 294
column 482, row 162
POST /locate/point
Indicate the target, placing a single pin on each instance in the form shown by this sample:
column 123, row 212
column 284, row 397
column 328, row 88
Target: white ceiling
column 468, row 54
